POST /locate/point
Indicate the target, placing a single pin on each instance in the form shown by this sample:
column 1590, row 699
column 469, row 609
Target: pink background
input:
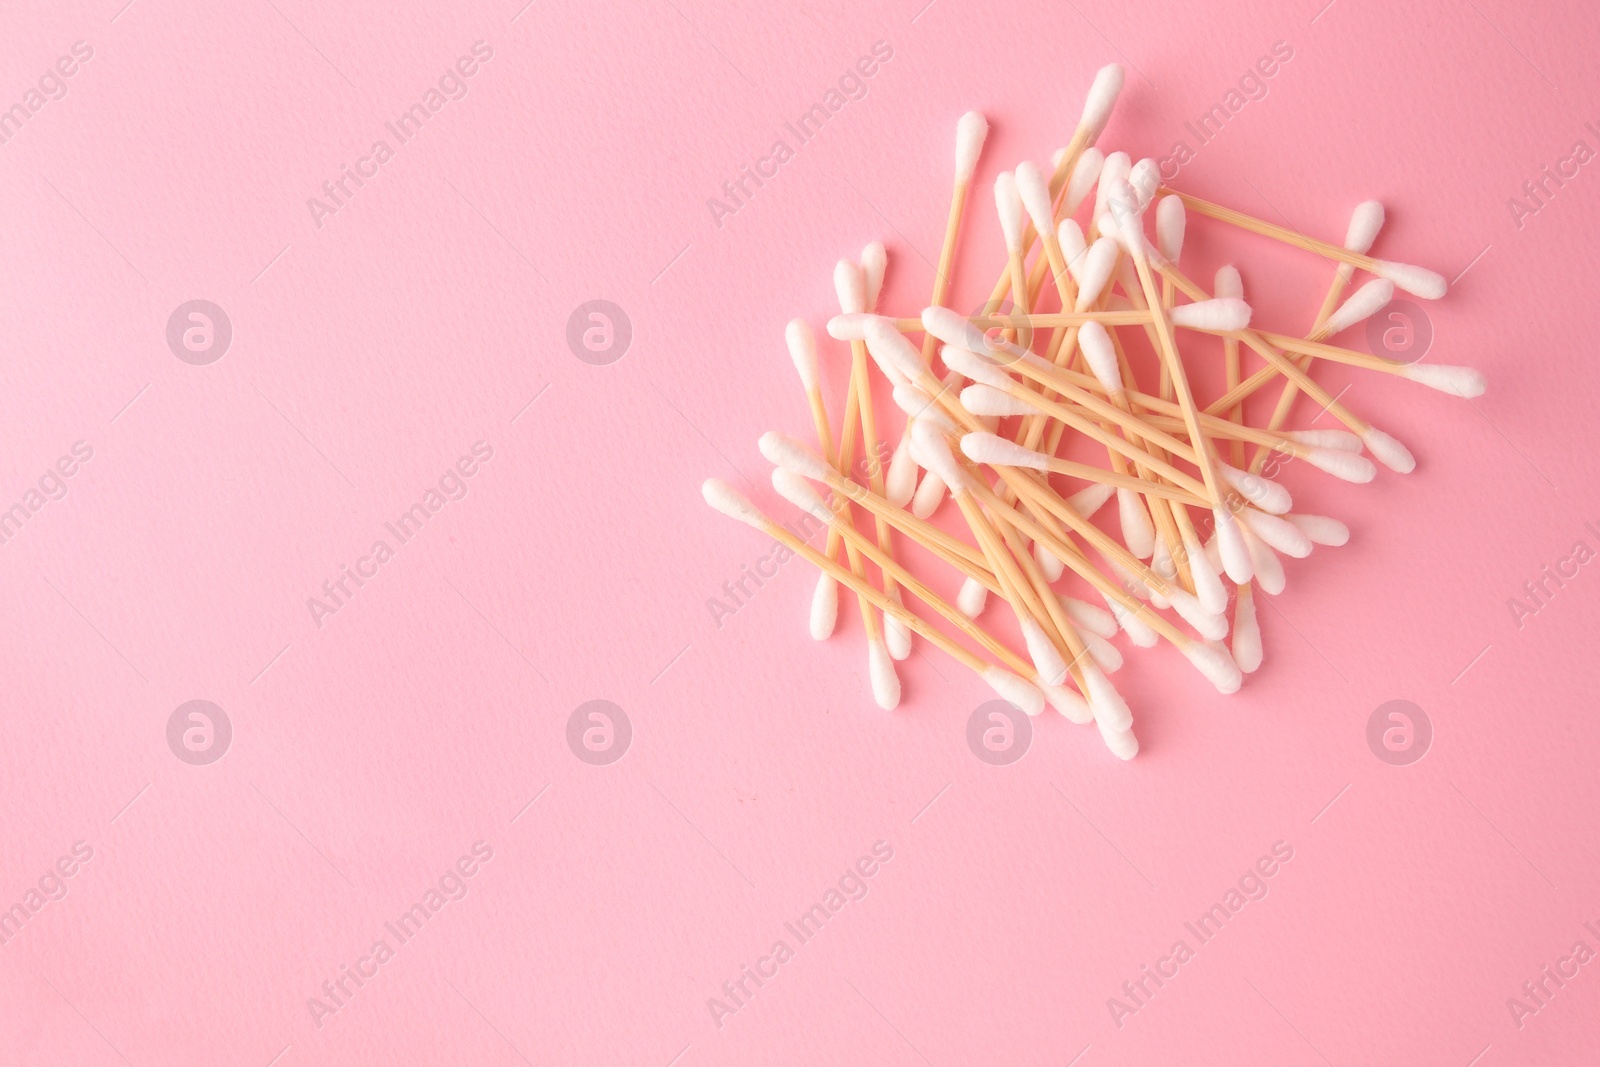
column 371, row 752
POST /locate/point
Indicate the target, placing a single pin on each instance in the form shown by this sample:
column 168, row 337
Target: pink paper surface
column 375, row 746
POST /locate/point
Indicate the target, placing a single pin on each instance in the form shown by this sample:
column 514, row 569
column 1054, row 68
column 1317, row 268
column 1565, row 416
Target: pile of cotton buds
column 1197, row 518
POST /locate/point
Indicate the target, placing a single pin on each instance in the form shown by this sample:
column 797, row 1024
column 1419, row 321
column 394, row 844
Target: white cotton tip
column 797, row 491
column 929, row 495
column 852, row 327
column 972, row 598
column 1101, row 99
column 1021, row 694
column 1088, row 501
column 1108, row 226
column 998, row 452
column 1418, row 281
column 1365, row 222
column 1219, row 315
column 1391, row 453
column 1209, row 625
column 892, row 352
column 784, row 451
column 1338, row 440
column 1088, row 617
column 1104, row 700
column 901, row 481
column 732, row 503
column 851, row 285
column 1042, row 651
column 1034, row 189
column 1122, row 203
column 1115, row 169
column 911, row 400
column 1231, row 549
column 824, row 608
column 1138, row 631
column 1085, row 173
column 1322, row 530
column 1364, row 303
column 954, row 329
column 1121, row 743
column 1138, row 532
column 1097, row 264
column 933, row 450
column 1346, row 466
column 874, row 264
column 1280, row 534
column 1228, row 283
column 1103, row 652
column 1264, row 493
column 1013, row 219
column 987, row 400
column 1464, row 382
column 896, row 637
column 1208, row 587
column 1145, row 177
column 1268, row 567
column 919, row 405
column 885, row 682
column 1069, row 235
column 979, row 368
column 1170, row 221
column 1246, row 633
column 1049, row 564
column 1094, row 341
column 1127, row 275
column 971, row 130
column 1066, row 700
column 1219, row 668
column 1214, row 554
column 803, row 350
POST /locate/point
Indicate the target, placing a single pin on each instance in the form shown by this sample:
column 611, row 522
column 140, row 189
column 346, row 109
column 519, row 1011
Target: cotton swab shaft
column 919, row 589
column 726, row 499
column 802, row 346
column 1414, row 280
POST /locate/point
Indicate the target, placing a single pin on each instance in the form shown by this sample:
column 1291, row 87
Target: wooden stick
column 965, row 136
column 1075, row 559
column 1090, row 428
column 1014, row 586
column 1180, row 381
column 1277, row 360
column 1058, row 627
column 863, row 588
column 1164, row 414
column 1230, row 363
column 1123, row 481
column 1290, row 392
column 819, row 417
column 953, row 551
column 1169, row 521
column 1032, row 492
column 929, row 597
column 947, row 257
column 1019, row 319
column 869, row 432
column 1274, row 231
column 1334, row 354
